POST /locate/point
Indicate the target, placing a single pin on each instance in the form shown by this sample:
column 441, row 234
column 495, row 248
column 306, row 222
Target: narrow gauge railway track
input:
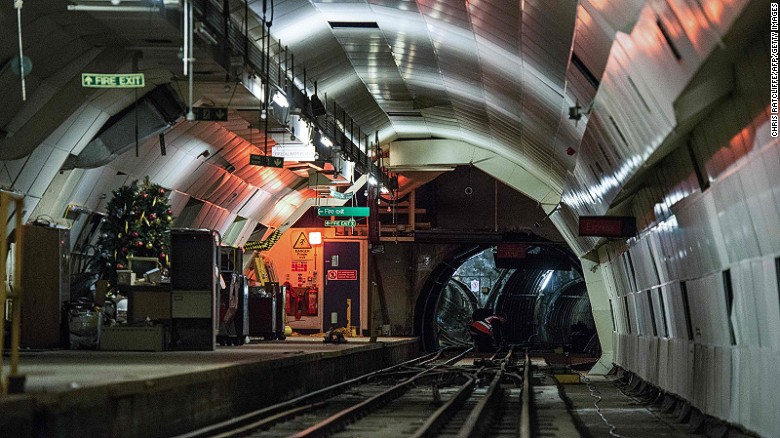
column 429, row 396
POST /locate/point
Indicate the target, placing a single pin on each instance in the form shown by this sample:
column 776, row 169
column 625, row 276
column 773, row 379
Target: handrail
column 279, row 75
column 14, row 380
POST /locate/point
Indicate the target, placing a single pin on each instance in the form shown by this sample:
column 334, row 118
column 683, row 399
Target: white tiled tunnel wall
column 693, row 238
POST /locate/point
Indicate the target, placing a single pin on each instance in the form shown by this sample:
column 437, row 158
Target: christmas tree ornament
column 135, row 224
column 168, row 218
column 170, row 211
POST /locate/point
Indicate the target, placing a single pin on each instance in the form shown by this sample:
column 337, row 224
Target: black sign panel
column 535, row 261
column 210, row 114
column 267, row 161
column 607, row 226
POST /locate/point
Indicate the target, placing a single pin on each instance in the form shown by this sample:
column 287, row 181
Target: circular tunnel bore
column 545, row 301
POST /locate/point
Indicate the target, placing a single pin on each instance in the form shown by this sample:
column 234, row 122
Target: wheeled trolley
column 266, row 312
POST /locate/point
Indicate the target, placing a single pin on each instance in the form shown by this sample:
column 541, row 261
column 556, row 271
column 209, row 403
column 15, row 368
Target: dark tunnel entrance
column 545, row 299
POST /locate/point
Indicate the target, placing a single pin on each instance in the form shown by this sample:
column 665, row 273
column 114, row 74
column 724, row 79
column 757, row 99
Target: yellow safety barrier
column 262, row 273
column 6, row 200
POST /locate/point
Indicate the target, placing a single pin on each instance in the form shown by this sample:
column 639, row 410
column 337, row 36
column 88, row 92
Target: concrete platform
column 131, row 394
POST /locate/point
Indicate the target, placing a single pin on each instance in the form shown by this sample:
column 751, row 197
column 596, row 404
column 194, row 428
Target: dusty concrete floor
column 629, row 416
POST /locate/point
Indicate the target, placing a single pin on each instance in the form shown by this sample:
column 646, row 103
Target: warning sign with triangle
column 302, row 242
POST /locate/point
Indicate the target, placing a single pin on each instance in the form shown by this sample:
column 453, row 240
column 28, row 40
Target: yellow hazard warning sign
column 302, row 242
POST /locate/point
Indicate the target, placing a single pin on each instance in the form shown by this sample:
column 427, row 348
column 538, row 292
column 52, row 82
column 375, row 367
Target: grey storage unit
column 194, row 261
column 46, row 281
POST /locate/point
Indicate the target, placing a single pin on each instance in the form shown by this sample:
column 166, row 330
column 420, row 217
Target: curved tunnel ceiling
column 495, row 79
column 482, row 73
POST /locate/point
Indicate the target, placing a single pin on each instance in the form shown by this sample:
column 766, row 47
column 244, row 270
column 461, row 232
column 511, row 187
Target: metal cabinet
column 46, row 280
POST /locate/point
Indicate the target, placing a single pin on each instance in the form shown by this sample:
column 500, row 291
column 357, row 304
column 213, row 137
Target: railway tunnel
column 197, row 191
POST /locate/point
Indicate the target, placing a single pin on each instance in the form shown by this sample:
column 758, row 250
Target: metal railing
column 13, row 381
column 278, row 70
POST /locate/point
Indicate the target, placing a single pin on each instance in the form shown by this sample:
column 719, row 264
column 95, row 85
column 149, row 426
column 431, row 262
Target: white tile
column 33, row 165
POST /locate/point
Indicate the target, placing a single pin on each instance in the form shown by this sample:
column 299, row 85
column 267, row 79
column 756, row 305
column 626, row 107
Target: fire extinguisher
column 312, row 301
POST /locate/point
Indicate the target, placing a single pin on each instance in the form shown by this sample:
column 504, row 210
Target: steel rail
column 438, row 419
column 442, row 415
column 478, row 415
column 338, row 420
column 270, row 421
column 279, row 411
column 524, row 429
column 435, row 357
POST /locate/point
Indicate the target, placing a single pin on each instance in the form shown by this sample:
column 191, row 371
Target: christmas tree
column 137, row 224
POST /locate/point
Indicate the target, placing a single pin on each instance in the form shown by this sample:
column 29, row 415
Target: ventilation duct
column 153, row 113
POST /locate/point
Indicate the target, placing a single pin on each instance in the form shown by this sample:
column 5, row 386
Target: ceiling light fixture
column 281, row 100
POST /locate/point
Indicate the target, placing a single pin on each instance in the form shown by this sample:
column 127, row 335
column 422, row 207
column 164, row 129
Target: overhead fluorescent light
column 353, row 25
column 201, row 31
column 281, row 100
column 112, row 8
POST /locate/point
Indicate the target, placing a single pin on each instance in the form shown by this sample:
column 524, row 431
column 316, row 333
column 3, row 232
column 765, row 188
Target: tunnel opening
column 543, row 296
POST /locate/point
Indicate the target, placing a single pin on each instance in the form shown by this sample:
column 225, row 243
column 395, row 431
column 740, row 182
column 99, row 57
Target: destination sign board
column 267, row 161
column 210, row 114
column 607, row 226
